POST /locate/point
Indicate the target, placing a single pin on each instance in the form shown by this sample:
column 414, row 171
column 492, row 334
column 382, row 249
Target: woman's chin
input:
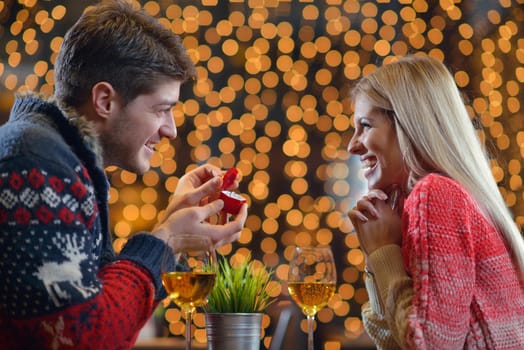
column 382, row 186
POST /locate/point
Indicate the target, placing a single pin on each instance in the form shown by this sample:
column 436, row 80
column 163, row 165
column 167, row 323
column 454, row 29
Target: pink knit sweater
column 452, row 284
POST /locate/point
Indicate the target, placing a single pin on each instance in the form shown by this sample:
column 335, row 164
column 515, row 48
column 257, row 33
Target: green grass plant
column 240, row 288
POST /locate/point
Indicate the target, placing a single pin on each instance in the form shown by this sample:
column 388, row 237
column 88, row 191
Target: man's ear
column 104, row 99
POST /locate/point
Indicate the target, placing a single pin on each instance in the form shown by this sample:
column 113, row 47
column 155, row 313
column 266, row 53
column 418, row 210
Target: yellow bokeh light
column 271, row 98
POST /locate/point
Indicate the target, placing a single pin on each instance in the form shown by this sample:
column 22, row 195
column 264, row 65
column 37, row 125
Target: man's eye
column 165, row 110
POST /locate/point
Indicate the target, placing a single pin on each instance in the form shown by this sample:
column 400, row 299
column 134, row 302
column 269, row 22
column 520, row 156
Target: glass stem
column 310, row 326
column 188, row 329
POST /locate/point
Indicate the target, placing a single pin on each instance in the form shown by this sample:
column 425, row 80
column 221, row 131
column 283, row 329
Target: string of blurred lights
column 271, row 99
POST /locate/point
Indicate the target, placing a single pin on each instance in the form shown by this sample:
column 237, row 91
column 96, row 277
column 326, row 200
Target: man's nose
column 168, row 129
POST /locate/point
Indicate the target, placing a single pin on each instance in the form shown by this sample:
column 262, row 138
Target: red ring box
column 232, row 201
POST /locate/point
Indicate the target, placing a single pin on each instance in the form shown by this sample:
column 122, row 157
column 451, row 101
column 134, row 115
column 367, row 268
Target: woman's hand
column 376, row 221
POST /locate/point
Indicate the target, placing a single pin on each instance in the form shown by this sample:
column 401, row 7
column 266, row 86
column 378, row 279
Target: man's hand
column 192, row 221
column 194, row 202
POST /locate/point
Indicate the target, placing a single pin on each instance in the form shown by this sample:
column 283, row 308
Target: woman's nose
column 354, row 145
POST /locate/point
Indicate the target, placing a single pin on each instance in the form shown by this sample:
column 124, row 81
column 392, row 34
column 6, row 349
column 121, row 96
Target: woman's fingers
column 355, row 215
column 377, row 194
column 366, row 205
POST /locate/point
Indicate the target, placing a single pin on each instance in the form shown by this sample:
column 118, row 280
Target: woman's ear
column 103, row 98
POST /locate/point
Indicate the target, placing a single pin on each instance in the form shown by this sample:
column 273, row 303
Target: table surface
column 166, row 343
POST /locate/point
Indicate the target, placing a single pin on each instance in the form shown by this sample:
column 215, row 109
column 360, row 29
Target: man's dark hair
column 122, row 45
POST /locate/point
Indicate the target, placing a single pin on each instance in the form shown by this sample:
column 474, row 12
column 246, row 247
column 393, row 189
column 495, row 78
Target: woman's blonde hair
column 436, row 134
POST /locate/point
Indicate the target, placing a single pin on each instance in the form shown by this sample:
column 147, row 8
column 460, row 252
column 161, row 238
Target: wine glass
column 188, row 273
column 311, row 282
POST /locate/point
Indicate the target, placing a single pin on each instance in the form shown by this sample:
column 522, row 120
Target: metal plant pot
column 233, row 331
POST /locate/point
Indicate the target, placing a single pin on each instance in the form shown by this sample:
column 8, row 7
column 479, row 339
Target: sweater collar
column 71, row 124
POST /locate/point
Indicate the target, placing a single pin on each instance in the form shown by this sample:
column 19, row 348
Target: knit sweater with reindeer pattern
column 452, row 284
column 63, row 286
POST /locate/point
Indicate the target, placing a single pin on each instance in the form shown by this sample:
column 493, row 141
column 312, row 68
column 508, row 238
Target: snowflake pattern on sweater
column 30, row 199
column 63, row 286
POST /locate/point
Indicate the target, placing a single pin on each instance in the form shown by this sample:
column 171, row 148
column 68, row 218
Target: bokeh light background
column 271, row 100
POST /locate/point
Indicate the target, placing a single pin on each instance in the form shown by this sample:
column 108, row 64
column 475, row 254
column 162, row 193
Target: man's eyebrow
column 166, row 103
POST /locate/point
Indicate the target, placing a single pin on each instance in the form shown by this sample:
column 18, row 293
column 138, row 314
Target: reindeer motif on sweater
column 63, row 286
column 54, row 274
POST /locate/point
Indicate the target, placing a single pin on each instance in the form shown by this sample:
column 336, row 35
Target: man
column 117, row 77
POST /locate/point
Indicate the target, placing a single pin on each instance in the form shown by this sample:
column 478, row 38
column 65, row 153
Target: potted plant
column 236, row 304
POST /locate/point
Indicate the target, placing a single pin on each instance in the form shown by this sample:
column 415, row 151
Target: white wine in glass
column 311, row 281
column 188, row 273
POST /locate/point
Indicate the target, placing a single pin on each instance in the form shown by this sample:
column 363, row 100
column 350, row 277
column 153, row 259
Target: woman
column 445, row 260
